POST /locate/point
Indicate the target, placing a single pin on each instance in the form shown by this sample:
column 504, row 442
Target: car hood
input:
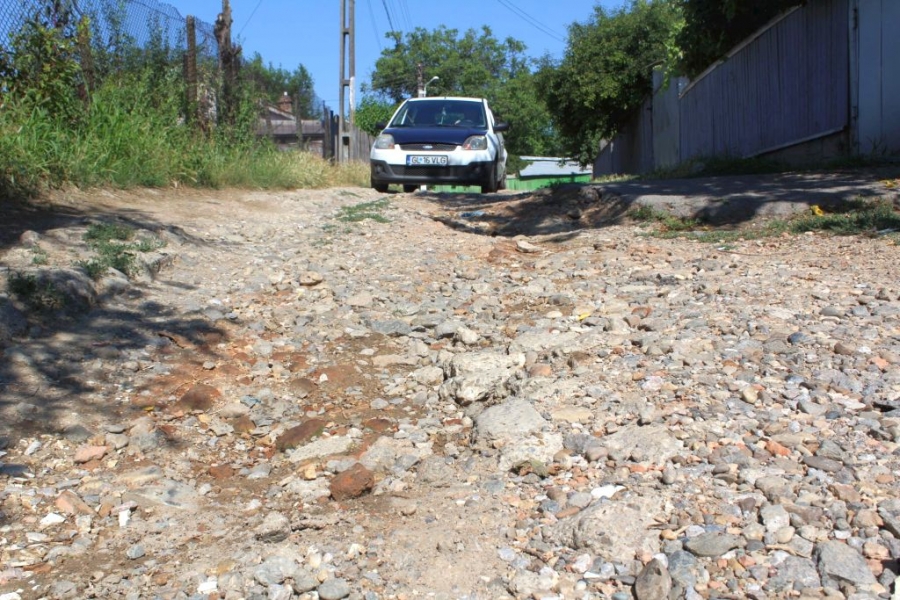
column 432, row 135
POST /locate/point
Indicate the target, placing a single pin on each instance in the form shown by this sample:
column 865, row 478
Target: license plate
column 419, row 160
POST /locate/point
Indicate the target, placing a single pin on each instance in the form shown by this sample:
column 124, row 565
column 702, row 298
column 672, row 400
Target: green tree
column 606, row 72
column 272, row 82
column 474, row 64
column 373, row 111
column 713, row 27
column 40, row 68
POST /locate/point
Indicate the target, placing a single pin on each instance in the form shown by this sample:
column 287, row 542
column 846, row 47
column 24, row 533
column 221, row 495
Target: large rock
column 275, row 527
column 794, row 572
column 615, row 530
column 513, row 419
column 653, row 582
column 516, row 427
column 479, row 376
column 352, row 483
column 839, row 563
column 653, row 442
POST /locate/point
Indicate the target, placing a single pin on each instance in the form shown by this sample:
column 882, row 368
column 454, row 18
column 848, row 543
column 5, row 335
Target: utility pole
column 348, row 75
column 420, row 80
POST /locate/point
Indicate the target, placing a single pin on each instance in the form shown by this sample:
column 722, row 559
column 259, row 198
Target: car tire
column 492, row 184
column 409, row 189
column 381, row 188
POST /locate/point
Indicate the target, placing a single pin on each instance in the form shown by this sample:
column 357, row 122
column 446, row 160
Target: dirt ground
column 141, row 396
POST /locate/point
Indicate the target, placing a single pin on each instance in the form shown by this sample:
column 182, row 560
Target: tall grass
column 131, row 132
column 125, row 142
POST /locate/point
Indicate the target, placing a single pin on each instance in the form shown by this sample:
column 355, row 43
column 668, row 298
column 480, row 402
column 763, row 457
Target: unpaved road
column 463, row 397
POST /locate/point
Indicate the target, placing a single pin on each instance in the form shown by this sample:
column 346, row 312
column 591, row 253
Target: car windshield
column 440, row 113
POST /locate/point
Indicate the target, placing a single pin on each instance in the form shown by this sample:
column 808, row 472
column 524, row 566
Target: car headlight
column 476, row 142
column 385, row 141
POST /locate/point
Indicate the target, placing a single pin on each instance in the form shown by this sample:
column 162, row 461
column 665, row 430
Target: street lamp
column 425, row 89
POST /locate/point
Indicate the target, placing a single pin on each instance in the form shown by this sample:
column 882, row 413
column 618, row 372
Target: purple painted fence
column 787, row 85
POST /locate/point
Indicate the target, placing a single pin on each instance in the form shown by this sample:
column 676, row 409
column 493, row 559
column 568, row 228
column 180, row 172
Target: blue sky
column 293, row 32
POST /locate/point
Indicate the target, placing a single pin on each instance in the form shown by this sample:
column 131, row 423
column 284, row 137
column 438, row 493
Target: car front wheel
column 381, row 188
column 491, row 186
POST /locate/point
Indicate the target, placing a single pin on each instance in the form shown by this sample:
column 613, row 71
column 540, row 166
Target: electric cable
column 530, row 20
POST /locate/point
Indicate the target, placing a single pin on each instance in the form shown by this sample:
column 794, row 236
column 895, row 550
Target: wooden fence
column 351, row 144
column 875, row 76
column 784, row 89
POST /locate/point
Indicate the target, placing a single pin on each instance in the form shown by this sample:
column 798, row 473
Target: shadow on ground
column 726, row 202
column 65, row 364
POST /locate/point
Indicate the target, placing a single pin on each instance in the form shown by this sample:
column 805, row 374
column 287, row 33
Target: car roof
column 461, row 98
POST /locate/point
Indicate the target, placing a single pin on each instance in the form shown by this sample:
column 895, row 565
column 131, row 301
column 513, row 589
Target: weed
column 106, row 232
column 365, row 210
column 856, row 217
column 39, row 256
column 859, row 219
column 41, row 296
column 668, row 223
column 109, row 242
column 644, row 213
column 149, row 244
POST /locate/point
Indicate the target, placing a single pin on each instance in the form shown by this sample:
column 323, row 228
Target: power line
column 388, row 13
column 404, row 10
column 530, row 20
column 374, row 25
column 247, row 22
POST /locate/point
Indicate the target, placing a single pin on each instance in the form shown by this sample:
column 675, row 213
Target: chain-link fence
column 140, row 22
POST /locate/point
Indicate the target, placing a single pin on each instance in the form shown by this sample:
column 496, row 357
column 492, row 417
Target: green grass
column 132, row 135
column 365, row 211
column 666, row 222
column 854, row 218
column 111, row 242
column 860, row 218
column 38, row 295
column 39, row 256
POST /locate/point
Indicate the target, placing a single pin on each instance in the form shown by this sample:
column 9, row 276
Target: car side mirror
column 501, row 126
column 380, row 126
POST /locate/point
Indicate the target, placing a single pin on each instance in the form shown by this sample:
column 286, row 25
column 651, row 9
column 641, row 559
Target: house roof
column 551, row 166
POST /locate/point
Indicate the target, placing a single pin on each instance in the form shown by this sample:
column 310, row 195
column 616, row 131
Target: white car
column 453, row 141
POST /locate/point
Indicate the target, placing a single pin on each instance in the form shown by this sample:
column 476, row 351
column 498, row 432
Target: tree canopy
column 606, row 72
column 272, row 82
column 474, row 63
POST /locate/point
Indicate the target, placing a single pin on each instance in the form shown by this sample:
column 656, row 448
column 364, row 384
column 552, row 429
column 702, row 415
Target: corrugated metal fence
column 784, row 86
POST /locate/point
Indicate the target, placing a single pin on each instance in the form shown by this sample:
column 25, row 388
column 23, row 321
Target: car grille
column 430, row 147
column 420, row 171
